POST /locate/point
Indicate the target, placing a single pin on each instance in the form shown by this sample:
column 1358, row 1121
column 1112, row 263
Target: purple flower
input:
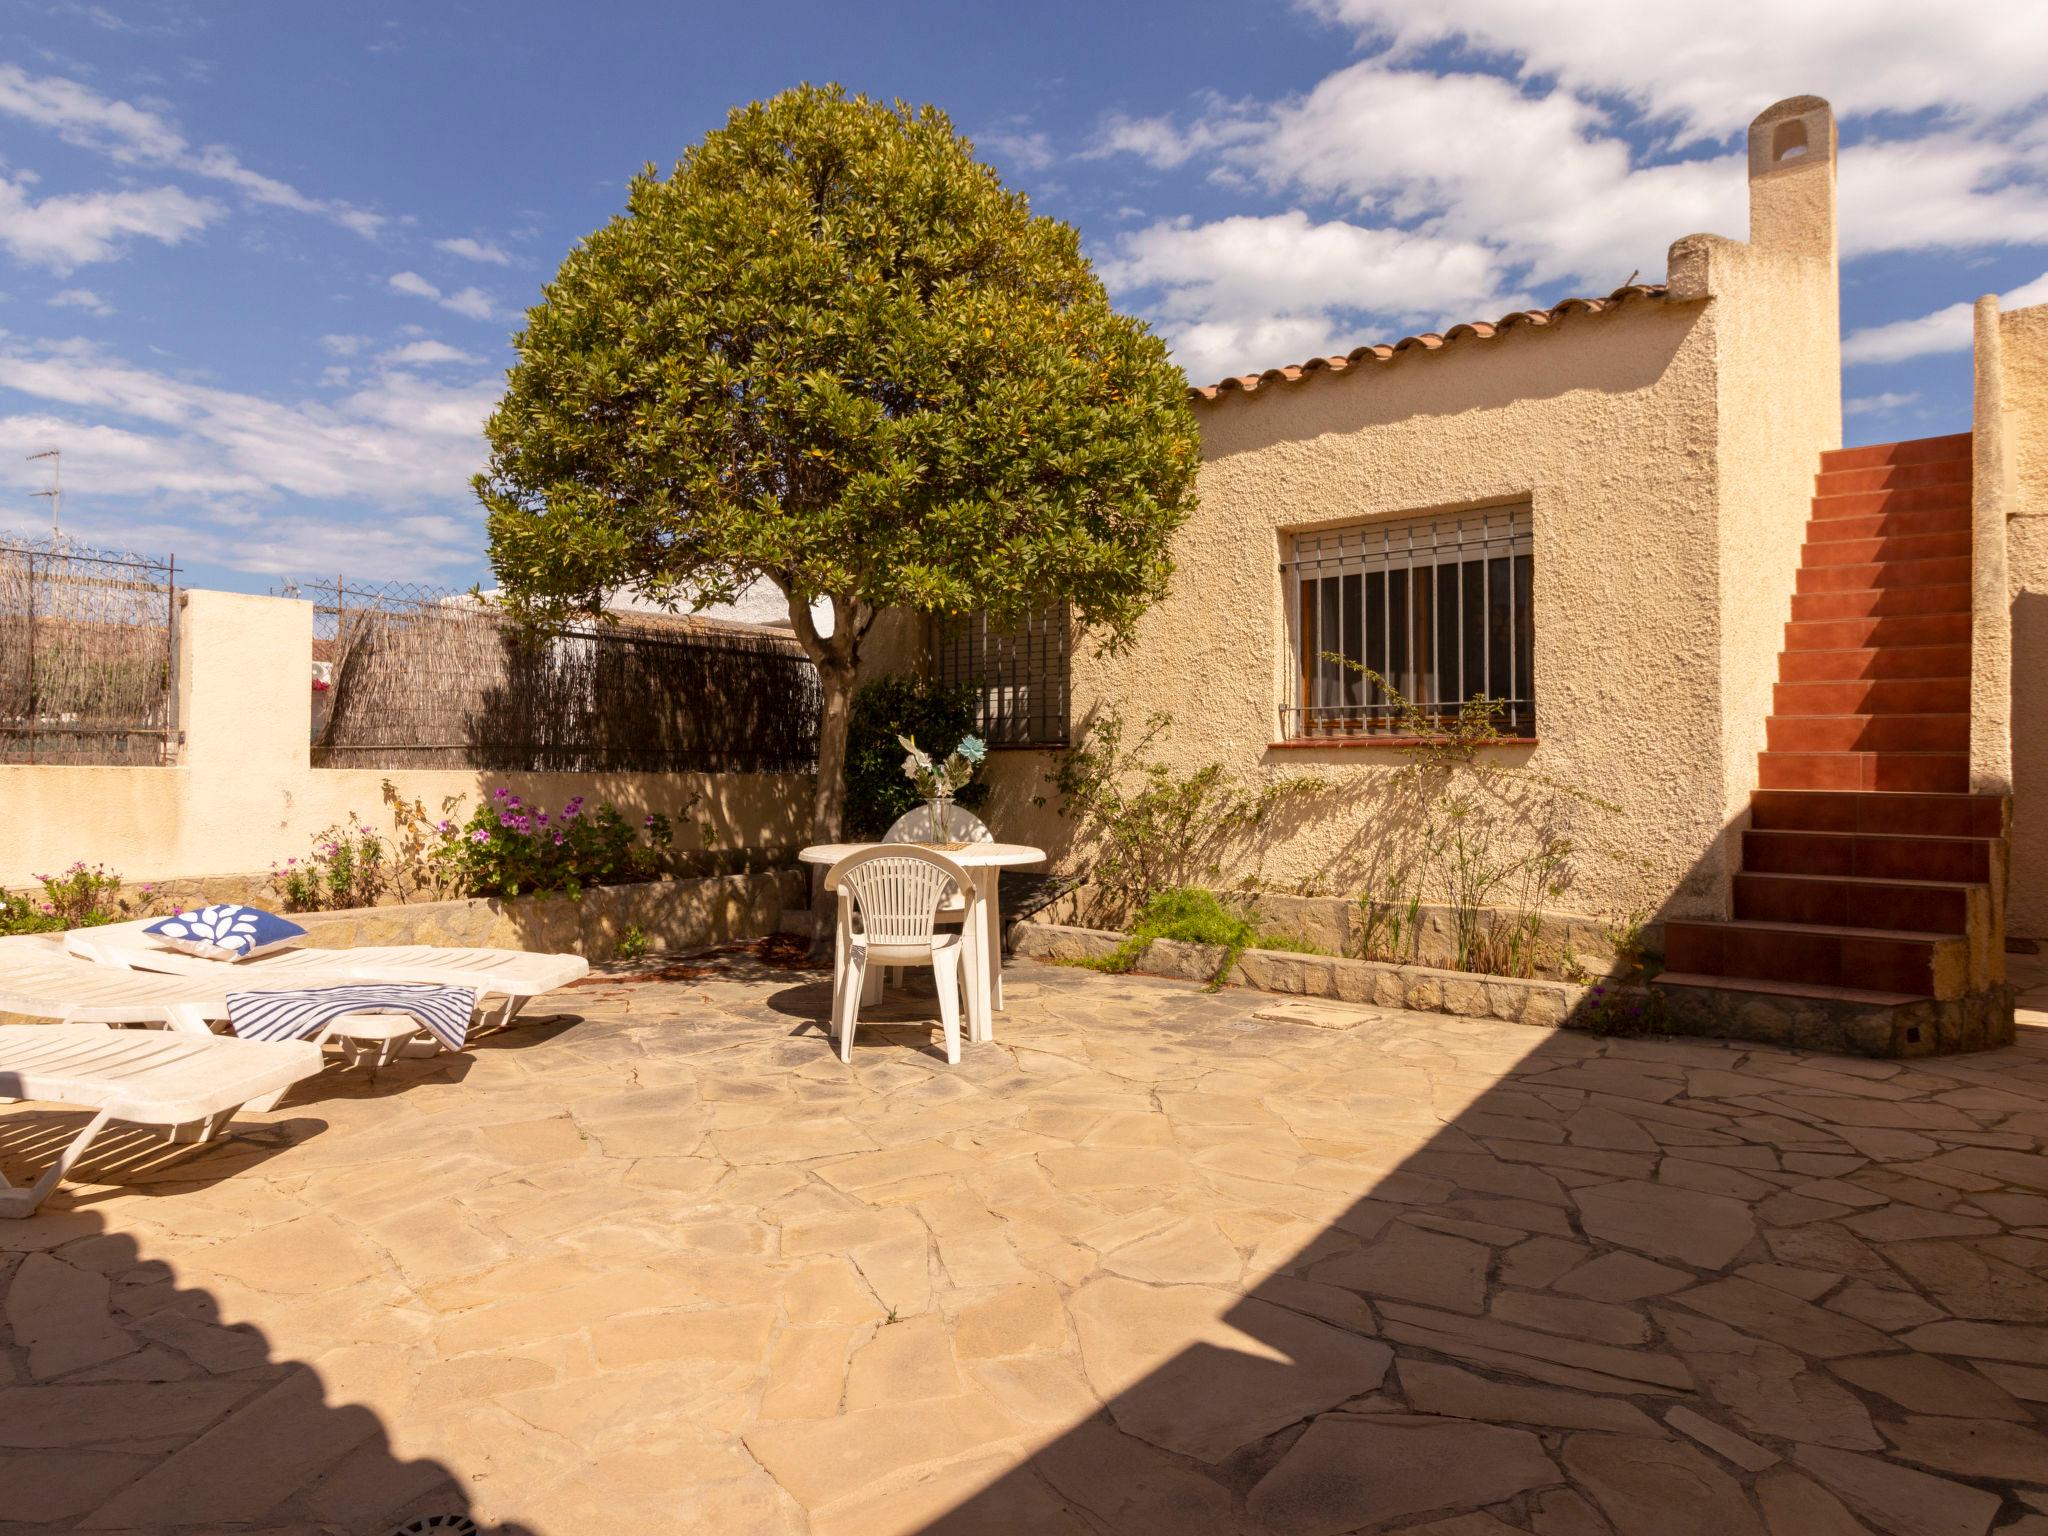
column 506, row 818
column 500, row 793
column 446, row 826
column 513, row 801
column 649, row 822
column 480, row 836
column 541, row 817
column 558, row 839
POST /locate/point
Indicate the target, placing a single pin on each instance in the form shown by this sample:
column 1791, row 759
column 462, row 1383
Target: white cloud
column 400, row 445
column 471, row 302
column 1273, row 288
column 344, row 346
column 1878, row 405
column 76, row 229
column 1024, row 149
column 1948, row 329
column 80, row 298
column 474, row 250
column 131, row 135
column 426, row 354
column 1711, row 67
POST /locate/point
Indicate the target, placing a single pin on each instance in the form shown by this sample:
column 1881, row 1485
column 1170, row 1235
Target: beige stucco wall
column 2023, row 341
column 244, row 795
column 1667, row 450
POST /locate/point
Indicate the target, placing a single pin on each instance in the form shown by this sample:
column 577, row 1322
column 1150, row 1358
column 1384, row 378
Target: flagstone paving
column 1154, row 1261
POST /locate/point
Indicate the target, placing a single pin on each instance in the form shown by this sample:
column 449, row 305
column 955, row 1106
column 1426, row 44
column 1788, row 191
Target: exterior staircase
column 1868, row 910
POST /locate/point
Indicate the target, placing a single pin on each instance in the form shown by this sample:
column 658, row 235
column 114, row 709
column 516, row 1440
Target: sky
column 260, row 264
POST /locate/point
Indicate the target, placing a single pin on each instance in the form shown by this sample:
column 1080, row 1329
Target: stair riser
column 1883, row 603
column 1791, row 899
column 1891, row 525
column 1868, row 733
column 1917, row 498
column 1884, row 575
column 1875, row 632
column 1892, row 477
column 1818, row 959
column 1870, row 858
column 1926, row 773
column 1954, row 448
column 1898, row 661
column 1891, row 815
column 1829, row 551
column 1889, row 696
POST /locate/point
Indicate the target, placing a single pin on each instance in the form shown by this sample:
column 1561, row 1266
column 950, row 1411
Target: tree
column 831, row 351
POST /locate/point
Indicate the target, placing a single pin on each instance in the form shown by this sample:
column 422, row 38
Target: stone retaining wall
column 673, row 914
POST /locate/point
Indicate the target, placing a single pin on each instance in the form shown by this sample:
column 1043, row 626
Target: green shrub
column 1191, row 915
column 82, row 897
column 633, row 942
column 877, row 792
column 510, row 848
column 348, row 867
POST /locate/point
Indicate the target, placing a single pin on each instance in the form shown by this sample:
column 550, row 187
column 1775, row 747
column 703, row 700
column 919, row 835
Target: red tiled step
column 1912, row 498
column 1884, row 525
column 1938, row 773
column 1832, row 552
column 1862, row 996
column 1872, row 857
column 1867, row 733
column 1885, row 661
column 1882, row 959
column 1948, row 571
column 1881, row 602
column 1927, row 906
column 1882, row 696
column 1916, row 450
column 1890, row 525
column 1892, row 477
column 1877, row 631
column 1803, row 810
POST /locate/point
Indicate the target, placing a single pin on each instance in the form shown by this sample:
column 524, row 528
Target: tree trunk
column 828, row 801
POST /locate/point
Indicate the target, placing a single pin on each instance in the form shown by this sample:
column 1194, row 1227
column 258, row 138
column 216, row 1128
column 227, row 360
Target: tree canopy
column 832, row 351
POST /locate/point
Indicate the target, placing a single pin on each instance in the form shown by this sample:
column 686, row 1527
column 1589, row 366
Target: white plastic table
column 987, row 861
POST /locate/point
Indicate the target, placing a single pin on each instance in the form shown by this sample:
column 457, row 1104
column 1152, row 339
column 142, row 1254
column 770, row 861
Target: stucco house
column 1791, row 677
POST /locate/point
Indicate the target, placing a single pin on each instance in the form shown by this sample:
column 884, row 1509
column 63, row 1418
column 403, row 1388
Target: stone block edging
column 1545, row 1004
column 673, row 914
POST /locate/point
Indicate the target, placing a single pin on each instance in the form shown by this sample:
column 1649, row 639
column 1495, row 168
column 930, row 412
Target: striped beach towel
column 293, row 1015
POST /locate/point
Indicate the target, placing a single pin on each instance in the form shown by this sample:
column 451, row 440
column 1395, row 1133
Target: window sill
column 1350, row 743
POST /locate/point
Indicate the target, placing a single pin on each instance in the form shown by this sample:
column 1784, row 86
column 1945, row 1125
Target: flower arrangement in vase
column 938, row 781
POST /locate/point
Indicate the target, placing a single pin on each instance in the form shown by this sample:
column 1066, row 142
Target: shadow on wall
column 2028, row 906
column 130, row 1403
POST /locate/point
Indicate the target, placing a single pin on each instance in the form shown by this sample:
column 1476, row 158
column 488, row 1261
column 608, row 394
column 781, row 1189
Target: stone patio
column 1155, row 1261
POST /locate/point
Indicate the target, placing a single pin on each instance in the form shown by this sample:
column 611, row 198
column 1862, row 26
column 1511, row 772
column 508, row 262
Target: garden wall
column 244, row 794
column 672, row 914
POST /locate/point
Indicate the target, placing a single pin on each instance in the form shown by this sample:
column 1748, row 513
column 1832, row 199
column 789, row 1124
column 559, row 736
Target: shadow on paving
column 129, row 1404
column 1613, row 1295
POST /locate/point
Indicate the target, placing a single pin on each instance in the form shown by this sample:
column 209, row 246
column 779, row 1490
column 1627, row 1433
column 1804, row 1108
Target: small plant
column 1191, row 915
column 348, row 867
column 83, row 896
column 1626, row 1011
column 633, row 942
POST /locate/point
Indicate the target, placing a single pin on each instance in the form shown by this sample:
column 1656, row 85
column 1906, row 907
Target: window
column 1438, row 607
column 1018, row 672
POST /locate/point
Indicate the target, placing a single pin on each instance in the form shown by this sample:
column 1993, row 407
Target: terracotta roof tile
column 1429, row 341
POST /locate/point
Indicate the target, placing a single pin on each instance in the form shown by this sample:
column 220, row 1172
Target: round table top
column 973, row 856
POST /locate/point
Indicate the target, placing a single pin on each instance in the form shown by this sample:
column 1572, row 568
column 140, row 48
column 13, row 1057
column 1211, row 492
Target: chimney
column 1792, row 178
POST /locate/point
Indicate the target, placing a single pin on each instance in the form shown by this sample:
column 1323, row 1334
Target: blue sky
column 259, row 263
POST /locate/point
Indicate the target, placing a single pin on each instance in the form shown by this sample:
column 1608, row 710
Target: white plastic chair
column 889, row 898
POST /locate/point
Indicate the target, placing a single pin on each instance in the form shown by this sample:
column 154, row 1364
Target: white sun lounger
column 185, row 1087
column 515, row 975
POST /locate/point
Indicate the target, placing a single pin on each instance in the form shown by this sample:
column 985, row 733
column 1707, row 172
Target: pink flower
column 480, row 836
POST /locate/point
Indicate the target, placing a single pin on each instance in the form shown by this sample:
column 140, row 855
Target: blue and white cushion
column 225, row 932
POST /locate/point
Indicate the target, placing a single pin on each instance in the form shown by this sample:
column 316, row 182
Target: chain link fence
column 427, row 677
column 88, row 655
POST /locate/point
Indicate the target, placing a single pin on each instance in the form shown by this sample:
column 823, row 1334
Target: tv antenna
column 56, row 491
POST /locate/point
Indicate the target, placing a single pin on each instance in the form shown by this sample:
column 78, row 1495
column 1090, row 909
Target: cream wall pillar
column 1990, row 574
column 245, row 706
column 2022, row 428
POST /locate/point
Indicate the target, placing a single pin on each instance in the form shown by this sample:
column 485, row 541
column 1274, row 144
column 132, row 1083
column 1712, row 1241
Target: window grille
column 1018, row 672
column 1438, row 607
